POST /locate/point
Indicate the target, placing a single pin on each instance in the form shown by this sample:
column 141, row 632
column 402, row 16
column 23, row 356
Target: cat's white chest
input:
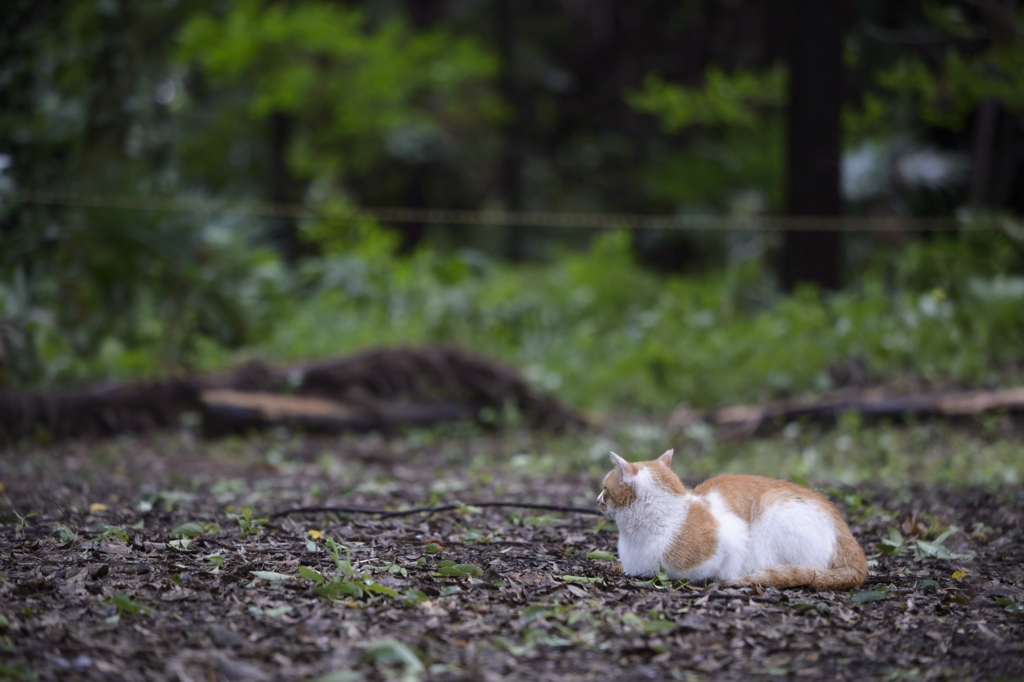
column 647, row 530
column 644, row 555
column 641, row 556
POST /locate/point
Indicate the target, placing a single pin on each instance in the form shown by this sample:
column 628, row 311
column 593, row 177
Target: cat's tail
column 799, row 576
column 849, row 569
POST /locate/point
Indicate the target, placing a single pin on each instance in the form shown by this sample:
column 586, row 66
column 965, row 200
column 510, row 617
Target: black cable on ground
column 387, row 513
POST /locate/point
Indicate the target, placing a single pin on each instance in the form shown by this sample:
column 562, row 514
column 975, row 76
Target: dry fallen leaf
column 912, row 526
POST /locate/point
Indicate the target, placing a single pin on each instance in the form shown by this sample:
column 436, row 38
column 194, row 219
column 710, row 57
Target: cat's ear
column 626, row 470
column 666, row 458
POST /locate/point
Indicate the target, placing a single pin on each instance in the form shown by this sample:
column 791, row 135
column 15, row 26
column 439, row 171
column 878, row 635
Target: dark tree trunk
column 814, row 141
column 424, row 15
column 284, row 189
column 415, row 197
column 510, row 185
column 982, row 155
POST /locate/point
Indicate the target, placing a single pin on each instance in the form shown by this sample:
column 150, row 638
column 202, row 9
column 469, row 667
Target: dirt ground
column 140, row 563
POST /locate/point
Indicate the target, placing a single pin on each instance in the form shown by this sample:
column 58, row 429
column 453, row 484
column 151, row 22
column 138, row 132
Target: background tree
column 814, row 142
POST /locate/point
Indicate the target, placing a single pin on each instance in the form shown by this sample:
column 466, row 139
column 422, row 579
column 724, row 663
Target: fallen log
column 379, row 389
column 743, row 421
column 226, row 411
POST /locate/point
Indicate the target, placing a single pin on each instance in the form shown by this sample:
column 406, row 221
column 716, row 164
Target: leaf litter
column 180, row 576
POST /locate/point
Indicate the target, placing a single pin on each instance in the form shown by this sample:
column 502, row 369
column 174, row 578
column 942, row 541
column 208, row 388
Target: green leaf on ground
column 374, row 587
column 271, row 576
column 461, row 570
column 125, row 604
column 601, row 555
column 310, row 574
column 342, row 676
column 416, row 596
column 334, row 589
column 864, row 597
column 273, row 613
column 658, row 625
column 392, row 652
column 187, row 530
column 1010, row 606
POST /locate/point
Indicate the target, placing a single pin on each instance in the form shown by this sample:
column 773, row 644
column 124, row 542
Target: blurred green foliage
column 356, row 93
column 947, row 93
column 107, row 292
column 741, row 145
column 127, row 294
column 595, row 328
column 723, row 100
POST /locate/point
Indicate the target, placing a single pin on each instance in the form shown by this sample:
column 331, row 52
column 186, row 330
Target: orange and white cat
column 737, row 530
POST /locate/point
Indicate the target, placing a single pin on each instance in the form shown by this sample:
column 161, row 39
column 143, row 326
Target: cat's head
column 630, row 481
